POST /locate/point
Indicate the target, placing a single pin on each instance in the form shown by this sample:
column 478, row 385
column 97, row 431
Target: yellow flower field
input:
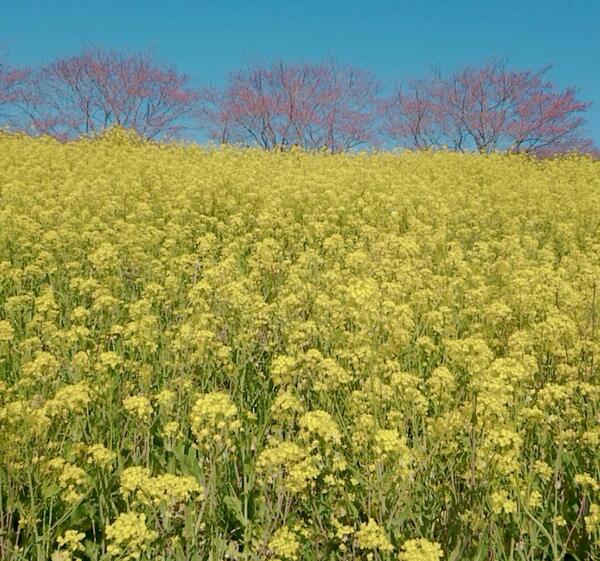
column 235, row 354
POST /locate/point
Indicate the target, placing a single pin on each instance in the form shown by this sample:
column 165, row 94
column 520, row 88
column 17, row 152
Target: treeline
column 326, row 105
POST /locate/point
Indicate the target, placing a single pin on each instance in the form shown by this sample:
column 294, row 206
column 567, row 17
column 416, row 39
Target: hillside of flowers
column 220, row 353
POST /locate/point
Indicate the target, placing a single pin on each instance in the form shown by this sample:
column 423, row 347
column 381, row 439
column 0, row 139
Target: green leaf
column 455, row 553
column 234, row 506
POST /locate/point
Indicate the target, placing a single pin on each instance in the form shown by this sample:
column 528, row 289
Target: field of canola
column 233, row 354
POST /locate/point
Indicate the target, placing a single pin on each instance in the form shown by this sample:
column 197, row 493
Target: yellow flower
column 321, row 425
column 140, row 406
column 372, row 536
column 359, row 326
column 389, row 442
column 587, row 481
column 214, row 419
column 100, row 455
column 543, row 470
column 70, row 399
column 167, row 490
column 592, row 520
column 290, row 463
column 284, row 544
column 286, row 406
column 71, row 540
column 166, row 399
column 420, row 550
column 501, row 503
column 71, row 479
column 6, row 332
column 129, row 536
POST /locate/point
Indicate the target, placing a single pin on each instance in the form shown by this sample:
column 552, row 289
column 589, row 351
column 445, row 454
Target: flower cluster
column 167, row 490
column 213, row 420
column 129, row 536
column 224, row 353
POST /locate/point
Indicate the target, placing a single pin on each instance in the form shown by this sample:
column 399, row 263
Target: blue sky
column 396, row 39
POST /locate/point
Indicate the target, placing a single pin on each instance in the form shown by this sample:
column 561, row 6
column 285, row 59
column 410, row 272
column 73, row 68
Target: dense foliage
column 210, row 354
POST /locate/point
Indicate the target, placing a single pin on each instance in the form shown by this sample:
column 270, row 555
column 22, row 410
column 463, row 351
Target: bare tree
column 488, row 108
column 13, row 82
column 96, row 89
column 315, row 106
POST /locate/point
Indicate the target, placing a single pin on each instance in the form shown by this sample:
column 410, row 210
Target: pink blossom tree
column 13, row 82
column 325, row 105
column 412, row 117
column 488, row 108
column 96, row 89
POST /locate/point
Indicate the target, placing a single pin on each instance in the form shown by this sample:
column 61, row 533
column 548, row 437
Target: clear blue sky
column 396, row 39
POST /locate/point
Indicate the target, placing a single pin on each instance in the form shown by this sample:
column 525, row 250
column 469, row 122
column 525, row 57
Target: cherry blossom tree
column 13, row 81
column 96, row 89
column 488, row 108
column 412, row 117
column 323, row 105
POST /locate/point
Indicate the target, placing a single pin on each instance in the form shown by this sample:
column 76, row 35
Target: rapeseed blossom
column 129, row 536
column 296, row 355
column 420, row 550
column 68, row 545
column 140, row 406
column 167, row 489
column 371, row 536
column 284, row 544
